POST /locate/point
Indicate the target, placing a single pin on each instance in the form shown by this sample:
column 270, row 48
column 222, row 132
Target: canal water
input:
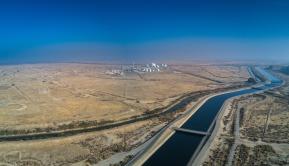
column 179, row 148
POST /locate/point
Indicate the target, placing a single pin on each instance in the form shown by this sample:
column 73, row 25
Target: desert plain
column 45, row 98
column 254, row 130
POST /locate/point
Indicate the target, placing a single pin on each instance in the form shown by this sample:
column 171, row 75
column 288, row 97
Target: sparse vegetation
column 220, row 154
column 263, row 129
column 67, row 97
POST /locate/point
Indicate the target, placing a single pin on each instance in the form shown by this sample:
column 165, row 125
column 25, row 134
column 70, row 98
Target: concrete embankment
column 167, row 132
column 216, row 132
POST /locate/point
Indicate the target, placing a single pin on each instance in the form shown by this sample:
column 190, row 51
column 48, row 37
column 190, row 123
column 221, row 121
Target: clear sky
column 137, row 30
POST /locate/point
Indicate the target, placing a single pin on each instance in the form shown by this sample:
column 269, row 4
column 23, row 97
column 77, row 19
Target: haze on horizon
column 142, row 31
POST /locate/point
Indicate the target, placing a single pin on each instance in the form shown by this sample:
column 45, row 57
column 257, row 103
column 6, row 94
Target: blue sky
column 136, row 30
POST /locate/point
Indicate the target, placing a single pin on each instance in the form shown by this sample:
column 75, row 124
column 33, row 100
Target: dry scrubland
column 85, row 149
column 50, row 95
column 216, row 73
column 264, row 130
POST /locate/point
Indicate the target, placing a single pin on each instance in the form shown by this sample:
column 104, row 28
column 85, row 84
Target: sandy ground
column 82, row 149
column 158, row 140
column 222, row 73
column 263, row 131
column 166, row 133
column 47, row 95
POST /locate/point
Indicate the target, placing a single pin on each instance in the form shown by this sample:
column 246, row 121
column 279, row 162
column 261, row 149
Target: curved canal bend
column 180, row 147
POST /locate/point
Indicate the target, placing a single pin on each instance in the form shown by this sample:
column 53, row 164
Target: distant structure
column 147, row 68
column 114, row 72
column 140, row 68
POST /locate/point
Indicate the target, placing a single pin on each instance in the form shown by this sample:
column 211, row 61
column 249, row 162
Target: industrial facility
column 140, row 68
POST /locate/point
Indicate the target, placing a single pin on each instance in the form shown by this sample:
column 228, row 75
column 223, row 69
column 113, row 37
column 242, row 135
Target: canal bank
column 202, row 154
column 179, row 148
column 159, row 139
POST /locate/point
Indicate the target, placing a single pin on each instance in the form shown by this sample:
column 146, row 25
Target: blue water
column 268, row 75
column 176, row 151
column 180, row 147
column 203, row 118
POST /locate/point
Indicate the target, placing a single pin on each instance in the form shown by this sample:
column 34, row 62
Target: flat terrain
column 51, row 96
column 47, row 95
column 254, row 130
column 216, row 73
column 82, row 149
